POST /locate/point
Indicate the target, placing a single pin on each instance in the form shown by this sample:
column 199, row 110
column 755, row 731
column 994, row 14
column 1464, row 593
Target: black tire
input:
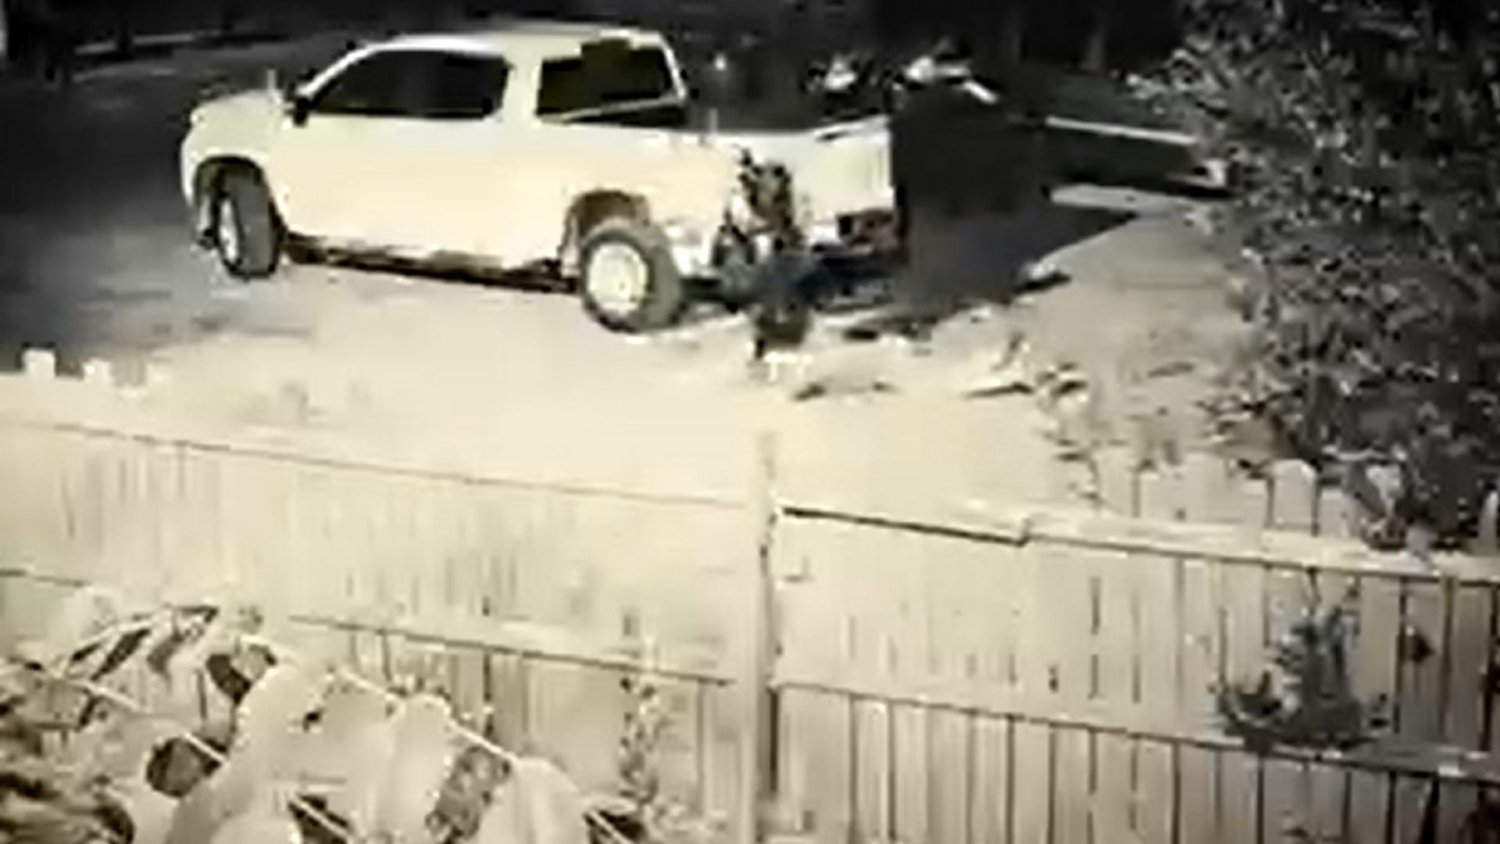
column 256, row 228
column 664, row 297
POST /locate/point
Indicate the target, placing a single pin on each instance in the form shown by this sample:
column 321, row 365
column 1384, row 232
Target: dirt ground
column 522, row 383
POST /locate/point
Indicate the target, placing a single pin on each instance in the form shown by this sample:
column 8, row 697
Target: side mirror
column 297, row 108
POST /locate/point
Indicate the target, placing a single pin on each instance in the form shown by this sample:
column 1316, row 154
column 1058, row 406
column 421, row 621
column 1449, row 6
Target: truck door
column 383, row 156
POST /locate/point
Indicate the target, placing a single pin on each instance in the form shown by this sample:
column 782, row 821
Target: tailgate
column 845, row 169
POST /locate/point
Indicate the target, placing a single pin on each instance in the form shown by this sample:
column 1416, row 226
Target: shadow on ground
column 959, row 262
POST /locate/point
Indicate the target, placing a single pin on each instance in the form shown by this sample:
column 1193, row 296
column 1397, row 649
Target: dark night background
column 1098, row 33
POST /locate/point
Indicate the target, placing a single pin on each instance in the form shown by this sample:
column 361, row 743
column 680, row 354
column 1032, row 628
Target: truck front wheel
column 246, row 233
column 629, row 279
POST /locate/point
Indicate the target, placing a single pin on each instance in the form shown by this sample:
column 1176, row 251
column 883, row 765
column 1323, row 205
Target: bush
column 1370, row 205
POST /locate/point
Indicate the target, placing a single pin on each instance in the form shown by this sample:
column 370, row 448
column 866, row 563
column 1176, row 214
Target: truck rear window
column 602, row 78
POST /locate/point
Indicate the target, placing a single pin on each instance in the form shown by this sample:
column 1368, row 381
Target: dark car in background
column 1099, row 130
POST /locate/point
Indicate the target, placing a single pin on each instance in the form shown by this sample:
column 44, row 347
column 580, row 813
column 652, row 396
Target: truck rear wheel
column 629, row 279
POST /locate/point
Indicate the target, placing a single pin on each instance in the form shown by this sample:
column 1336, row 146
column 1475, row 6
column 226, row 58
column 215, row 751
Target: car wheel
column 246, row 233
column 629, row 280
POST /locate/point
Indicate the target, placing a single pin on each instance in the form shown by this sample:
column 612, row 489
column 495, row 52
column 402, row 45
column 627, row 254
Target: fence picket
column 1255, row 504
column 1243, row 658
column 1330, row 790
column 1409, row 808
column 1212, row 495
column 1159, row 655
column 1117, row 673
column 1285, row 816
column 989, row 795
column 469, row 676
column 1369, row 807
column 720, row 789
column 1290, row 597
column 1487, row 536
column 913, row 766
column 510, row 701
column 1240, row 802
column 1294, row 496
column 1113, row 806
column 1458, row 803
column 1377, row 641
column 957, row 636
column 875, row 787
column 1033, row 783
column 825, row 724
column 1198, row 674
column 1118, row 676
column 1469, row 656
column 1117, row 480
column 950, row 783
column 1156, row 805
column 1073, row 757
column 911, row 668
column 1422, row 646
column 1338, row 515
column 1069, row 600
column 1035, row 651
column 1161, row 494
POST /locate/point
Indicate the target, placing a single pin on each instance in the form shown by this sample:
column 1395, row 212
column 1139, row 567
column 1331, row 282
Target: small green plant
column 654, row 816
column 1304, row 700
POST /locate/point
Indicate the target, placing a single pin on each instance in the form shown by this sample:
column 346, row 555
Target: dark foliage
column 1363, row 133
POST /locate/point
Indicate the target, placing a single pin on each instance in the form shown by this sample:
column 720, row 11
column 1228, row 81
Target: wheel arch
column 592, row 208
column 206, row 179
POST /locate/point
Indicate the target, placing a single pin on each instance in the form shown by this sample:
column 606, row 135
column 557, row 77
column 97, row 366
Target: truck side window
column 604, row 78
column 418, row 84
column 380, row 85
column 462, row 87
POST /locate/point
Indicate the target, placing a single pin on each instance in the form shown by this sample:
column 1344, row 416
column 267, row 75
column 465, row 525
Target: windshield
column 604, row 76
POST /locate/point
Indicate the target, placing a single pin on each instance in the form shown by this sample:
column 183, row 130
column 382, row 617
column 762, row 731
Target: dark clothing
column 971, row 182
column 953, row 152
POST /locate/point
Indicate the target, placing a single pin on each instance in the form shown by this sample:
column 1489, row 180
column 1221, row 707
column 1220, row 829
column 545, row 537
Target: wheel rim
column 617, row 278
column 227, row 231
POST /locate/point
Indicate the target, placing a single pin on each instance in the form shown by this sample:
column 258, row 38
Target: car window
column 604, row 77
column 461, row 87
column 1102, row 100
column 381, row 85
column 418, row 84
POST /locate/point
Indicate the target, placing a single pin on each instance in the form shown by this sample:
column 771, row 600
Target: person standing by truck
column 963, row 149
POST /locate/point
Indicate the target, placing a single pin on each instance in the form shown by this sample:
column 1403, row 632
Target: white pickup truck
column 524, row 144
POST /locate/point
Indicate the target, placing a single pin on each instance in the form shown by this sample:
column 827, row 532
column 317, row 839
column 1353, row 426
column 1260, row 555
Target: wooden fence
column 1057, row 683
column 1001, row 677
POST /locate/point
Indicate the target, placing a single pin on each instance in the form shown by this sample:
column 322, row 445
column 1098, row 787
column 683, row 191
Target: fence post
column 757, row 654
